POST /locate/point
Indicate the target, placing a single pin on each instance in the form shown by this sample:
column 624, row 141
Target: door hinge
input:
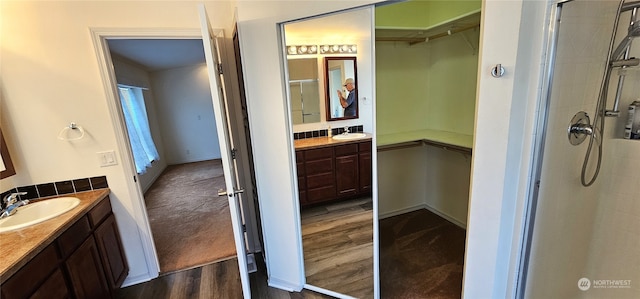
column 234, row 153
column 220, row 69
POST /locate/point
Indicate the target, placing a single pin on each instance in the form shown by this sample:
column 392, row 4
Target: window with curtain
column 135, row 115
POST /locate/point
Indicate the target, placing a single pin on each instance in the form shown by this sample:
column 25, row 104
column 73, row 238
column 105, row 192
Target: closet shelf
column 419, row 35
column 443, row 139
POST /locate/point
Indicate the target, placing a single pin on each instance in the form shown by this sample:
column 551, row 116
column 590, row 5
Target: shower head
column 633, row 33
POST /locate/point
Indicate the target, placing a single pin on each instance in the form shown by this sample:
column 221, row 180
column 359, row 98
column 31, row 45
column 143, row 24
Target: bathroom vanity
column 330, row 169
column 78, row 254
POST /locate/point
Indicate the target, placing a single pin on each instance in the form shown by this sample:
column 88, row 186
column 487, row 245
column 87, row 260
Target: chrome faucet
column 346, row 130
column 12, row 204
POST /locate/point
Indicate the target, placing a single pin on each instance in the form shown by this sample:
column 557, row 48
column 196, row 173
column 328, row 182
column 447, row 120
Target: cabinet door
column 54, row 287
column 365, row 172
column 347, row 175
column 35, row 277
column 111, row 252
column 86, row 273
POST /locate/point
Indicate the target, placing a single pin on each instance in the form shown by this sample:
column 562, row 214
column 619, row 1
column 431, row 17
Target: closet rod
column 390, row 147
column 416, row 40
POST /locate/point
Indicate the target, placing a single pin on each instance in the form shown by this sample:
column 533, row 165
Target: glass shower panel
column 582, row 238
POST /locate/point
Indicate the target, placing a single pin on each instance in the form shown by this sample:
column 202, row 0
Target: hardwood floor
column 421, row 256
column 337, row 240
column 218, row 280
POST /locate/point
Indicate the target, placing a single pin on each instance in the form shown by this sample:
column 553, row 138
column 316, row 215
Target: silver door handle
column 223, row 192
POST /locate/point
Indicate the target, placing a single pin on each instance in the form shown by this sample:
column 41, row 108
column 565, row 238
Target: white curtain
column 135, row 115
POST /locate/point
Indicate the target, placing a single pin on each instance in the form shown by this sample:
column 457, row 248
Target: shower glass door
column 583, row 242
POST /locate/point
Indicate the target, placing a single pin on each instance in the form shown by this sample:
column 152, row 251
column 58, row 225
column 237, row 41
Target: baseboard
column 283, row 285
column 133, row 280
column 446, row 216
column 401, row 211
column 153, row 180
column 426, row 207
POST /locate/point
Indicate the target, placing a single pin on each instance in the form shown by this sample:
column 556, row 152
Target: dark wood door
column 86, row 273
column 111, row 252
column 365, row 172
column 54, row 287
column 347, row 175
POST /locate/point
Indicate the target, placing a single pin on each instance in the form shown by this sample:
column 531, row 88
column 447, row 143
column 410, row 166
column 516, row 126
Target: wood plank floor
column 337, row 240
column 421, row 256
column 218, row 280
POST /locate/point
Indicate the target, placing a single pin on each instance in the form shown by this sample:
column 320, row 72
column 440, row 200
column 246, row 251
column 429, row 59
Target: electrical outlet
column 107, row 158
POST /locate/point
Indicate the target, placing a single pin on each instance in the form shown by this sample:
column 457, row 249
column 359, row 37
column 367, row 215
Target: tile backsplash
column 322, row 133
column 59, row 188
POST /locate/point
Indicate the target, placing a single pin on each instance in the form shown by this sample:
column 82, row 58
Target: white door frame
column 100, row 37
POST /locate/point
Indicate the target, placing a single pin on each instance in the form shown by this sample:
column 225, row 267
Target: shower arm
column 621, row 77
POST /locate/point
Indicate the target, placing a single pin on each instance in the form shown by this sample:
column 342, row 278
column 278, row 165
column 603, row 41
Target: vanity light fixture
column 338, row 49
column 323, row 49
column 302, row 49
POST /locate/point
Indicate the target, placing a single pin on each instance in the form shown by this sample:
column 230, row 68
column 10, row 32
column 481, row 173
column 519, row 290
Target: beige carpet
column 191, row 225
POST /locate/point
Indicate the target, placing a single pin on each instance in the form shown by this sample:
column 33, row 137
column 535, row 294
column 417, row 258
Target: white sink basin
column 37, row 212
column 349, row 136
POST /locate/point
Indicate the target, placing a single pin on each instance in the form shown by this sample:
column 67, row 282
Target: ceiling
column 159, row 54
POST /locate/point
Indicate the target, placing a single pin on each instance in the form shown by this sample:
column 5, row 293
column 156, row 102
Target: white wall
column 186, row 115
column 132, row 74
column 50, row 77
column 401, row 181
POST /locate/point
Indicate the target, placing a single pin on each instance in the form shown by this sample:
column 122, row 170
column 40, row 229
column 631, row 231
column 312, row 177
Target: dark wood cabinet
column 111, row 252
column 86, row 274
column 364, row 163
column 36, row 278
column 85, row 261
column 333, row 172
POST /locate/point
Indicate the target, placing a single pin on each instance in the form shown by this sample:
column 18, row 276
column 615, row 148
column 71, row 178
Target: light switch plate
column 107, row 158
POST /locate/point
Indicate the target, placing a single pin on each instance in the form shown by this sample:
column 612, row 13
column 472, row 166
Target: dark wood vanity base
column 333, row 171
column 83, row 258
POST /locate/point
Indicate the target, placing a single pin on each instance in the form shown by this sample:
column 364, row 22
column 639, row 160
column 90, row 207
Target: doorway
column 190, row 224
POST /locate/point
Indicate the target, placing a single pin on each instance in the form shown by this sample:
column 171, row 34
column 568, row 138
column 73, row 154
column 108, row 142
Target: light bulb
column 335, row 48
column 353, row 48
column 313, row 49
column 292, row 50
column 343, row 48
column 302, row 49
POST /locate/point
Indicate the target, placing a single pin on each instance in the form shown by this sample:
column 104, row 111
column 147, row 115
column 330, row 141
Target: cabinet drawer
column 74, row 236
column 319, row 166
column 299, row 156
column 300, row 169
column 346, row 149
column 100, row 212
column 22, row 284
column 321, row 153
column 302, row 183
column 320, row 180
column 364, row 146
column 321, row 194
